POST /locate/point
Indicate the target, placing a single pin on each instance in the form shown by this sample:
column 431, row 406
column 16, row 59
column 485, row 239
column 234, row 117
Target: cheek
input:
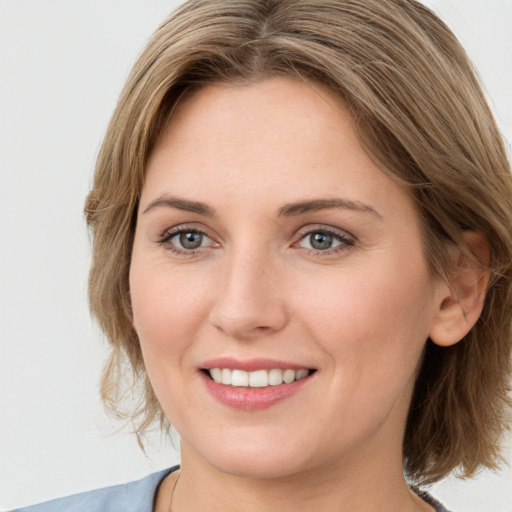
column 168, row 313
column 168, row 310
column 372, row 319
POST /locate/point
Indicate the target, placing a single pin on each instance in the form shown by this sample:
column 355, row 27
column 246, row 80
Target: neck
column 371, row 487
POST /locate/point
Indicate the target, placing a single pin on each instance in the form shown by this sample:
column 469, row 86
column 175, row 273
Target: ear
column 461, row 301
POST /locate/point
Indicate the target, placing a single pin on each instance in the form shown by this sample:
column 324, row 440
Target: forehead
column 222, row 116
column 228, row 141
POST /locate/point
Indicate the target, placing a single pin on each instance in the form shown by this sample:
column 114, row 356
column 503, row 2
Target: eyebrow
column 180, row 204
column 288, row 210
column 291, row 209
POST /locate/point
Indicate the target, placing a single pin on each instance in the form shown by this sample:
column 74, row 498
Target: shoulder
column 137, row 496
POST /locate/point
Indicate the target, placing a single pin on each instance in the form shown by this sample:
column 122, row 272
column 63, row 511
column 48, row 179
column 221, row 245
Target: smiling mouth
column 258, row 378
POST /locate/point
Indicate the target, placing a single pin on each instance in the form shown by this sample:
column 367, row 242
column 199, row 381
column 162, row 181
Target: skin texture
column 359, row 313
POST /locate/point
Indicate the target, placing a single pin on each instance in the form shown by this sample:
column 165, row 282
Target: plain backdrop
column 62, row 65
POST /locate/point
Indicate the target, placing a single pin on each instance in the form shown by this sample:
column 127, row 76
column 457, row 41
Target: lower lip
column 253, row 399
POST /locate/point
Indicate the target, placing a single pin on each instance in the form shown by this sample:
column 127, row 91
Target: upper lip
column 251, row 365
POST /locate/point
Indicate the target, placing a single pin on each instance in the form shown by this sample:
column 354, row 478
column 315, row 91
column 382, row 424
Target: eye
column 188, row 239
column 325, row 240
column 320, row 241
column 185, row 240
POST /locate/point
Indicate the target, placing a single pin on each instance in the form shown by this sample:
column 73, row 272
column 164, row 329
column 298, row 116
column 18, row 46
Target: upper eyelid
column 311, row 228
column 180, row 228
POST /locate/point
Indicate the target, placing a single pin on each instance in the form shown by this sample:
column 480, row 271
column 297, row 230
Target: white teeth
column 289, row 376
column 216, row 375
column 258, row 378
column 301, row 374
column 275, row 377
column 239, row 378
column 226, row 376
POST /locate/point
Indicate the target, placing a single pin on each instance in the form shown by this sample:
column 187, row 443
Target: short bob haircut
column 422, row 117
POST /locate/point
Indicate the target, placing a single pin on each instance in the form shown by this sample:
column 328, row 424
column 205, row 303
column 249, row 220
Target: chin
column 263, row 466
column 270, row 459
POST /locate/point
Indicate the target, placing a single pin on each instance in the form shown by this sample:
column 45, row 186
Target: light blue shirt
column 138, row 496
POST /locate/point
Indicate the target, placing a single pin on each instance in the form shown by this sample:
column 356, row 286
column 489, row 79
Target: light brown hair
column 420, row 114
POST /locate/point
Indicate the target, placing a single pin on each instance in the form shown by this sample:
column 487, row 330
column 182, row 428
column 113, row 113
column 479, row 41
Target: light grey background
column 62, row 65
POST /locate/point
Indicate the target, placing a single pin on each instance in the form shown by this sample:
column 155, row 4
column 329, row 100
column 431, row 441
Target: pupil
column 321, row 241
column 191, row 240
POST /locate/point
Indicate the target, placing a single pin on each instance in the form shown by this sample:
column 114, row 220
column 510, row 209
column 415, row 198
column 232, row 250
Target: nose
column 250, row 300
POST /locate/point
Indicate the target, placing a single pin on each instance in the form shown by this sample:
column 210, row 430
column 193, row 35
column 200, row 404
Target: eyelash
column 345, row 241
column 166, row 238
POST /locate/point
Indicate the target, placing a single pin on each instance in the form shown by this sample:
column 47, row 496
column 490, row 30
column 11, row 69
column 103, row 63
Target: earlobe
column 461, row 301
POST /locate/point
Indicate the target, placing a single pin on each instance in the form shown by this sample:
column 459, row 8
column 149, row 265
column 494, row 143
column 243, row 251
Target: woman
column 302, row 217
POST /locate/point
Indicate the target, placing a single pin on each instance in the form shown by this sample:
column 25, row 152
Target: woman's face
column 269, row 246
